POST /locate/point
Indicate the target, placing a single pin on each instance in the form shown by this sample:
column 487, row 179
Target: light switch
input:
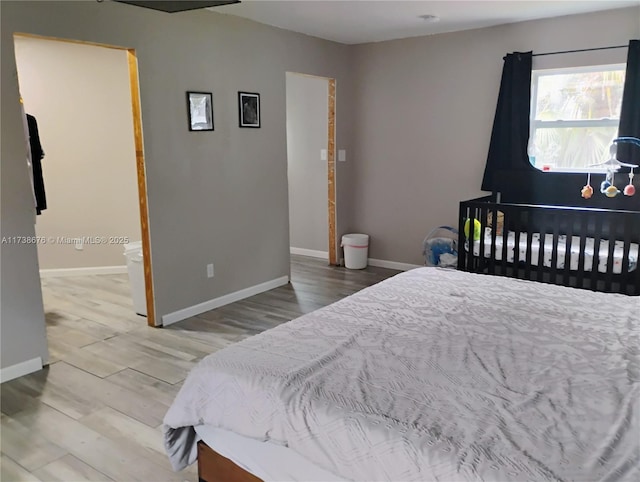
column 323, row 154
column 342, row 155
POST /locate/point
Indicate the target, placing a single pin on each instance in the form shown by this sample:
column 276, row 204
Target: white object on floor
column 267, row 461
column 356, row 250
column 135, row 267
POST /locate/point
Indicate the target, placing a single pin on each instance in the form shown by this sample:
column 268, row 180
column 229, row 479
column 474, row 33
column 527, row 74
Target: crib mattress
column 574, row 247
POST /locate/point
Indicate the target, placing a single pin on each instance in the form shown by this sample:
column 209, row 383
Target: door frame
column 136, row 110
column 332, row 186
column 331, row 164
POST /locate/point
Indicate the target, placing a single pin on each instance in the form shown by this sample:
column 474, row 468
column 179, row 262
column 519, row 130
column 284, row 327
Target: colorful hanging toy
column 607, row 187
column 587, row 191
column 630, row 189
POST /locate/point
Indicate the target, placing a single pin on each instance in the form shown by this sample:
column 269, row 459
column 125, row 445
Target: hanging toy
column 630, row 189
column 587, row 191
column 611, row 190
column 612, row 165
column 606, row 184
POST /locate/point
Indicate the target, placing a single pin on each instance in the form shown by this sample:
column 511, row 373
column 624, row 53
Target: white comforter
column 436, row 375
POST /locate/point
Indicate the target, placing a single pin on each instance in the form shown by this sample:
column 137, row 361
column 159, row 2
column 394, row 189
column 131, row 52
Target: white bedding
column 267, row 461
column 435, row 375
column 574, row 249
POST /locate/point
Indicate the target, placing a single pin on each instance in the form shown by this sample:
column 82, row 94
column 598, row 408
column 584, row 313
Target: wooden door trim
column 331, row 159
column 142, row 185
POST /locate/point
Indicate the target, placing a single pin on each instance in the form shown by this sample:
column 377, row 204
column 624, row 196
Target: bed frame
column 213, row 467
column 599, row 224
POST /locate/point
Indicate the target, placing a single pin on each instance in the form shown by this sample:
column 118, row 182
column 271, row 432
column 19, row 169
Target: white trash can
column 356, row 250
column 135, row 267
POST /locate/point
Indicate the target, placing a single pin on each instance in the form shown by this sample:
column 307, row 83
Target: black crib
column 538, row 231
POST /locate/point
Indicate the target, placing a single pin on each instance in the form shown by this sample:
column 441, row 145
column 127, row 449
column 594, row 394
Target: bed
column 590, row 248
column 433, row 374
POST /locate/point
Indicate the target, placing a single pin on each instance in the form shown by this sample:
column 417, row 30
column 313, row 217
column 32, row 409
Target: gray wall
column 21, row 313
column 90, row 157
column 416, row 147
column 307, row 131
column 216, row 197
column 425, row 109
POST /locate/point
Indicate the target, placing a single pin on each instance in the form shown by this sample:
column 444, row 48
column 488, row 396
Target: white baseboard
column 381, row 263
column 20, row 369
column 185, row 313
column 51, row 273
column 309, row 252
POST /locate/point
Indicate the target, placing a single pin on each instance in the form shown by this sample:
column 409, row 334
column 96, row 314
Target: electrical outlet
column 210, row 270
column 79, row 244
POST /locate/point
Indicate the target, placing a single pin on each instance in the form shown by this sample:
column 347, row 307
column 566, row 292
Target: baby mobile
column 608, row 187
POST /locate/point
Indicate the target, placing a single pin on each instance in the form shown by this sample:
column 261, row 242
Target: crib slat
column 584, row 217
column 462, row 253
column 566, row 278
column 541, row 247
column 505, row 238
column 626, row 283
column 612, row 224
column 492, row 253
column 554, row 248
column 596, row 253
column 483, row 223
column 527, row 226
column 473, row 260
column 516, row 242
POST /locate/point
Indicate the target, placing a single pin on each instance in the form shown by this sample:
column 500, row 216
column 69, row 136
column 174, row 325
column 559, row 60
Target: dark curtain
column 630, row 112
column 510, row 135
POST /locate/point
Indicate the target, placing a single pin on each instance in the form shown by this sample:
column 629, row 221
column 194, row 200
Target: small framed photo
column 249, row 109
column 200, row 110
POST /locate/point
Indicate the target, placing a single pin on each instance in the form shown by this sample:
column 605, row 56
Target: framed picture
column 200, row 110
column 249, row 109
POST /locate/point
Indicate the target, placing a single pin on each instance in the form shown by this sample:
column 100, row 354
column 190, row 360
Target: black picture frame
column 200, row 111
column 249, row 109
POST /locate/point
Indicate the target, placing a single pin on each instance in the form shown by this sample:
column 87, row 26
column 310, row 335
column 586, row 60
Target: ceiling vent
column 177, row 5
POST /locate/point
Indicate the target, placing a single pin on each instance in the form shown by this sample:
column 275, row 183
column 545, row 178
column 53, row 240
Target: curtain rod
column 581, row 50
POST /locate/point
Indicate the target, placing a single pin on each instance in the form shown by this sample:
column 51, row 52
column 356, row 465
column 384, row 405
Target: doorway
column 85, row 99
column 311, row 166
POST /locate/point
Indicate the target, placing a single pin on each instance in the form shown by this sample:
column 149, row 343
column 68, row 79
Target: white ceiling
column 360, row 21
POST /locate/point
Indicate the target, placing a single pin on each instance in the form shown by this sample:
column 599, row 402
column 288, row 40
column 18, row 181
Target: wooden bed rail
column 560, row 229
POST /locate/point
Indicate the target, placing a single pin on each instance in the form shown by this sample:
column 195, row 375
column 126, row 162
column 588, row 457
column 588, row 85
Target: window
column 574, row 116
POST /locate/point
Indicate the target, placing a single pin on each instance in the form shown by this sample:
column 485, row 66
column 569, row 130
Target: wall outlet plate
column 210, row 270
column 342, row 155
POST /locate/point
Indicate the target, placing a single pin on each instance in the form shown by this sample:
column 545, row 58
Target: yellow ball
column 477, row 228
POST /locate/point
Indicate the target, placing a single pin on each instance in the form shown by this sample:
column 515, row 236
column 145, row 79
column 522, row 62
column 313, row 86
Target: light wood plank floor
column 96, row 412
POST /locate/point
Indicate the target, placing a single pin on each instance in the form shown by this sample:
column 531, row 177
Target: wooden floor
column 96, row 412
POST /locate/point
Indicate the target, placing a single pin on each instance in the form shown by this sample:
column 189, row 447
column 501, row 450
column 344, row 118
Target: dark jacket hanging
column 36, row 161
column 630, row 111
column 510, row 134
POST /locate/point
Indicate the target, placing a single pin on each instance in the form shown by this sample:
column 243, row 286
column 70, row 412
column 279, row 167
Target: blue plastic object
column 438, row 243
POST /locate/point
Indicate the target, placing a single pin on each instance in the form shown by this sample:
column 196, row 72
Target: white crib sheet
column 603, row 252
